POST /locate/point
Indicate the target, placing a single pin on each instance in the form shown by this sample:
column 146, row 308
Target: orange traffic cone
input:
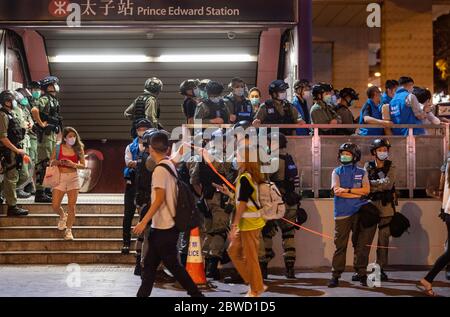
column 195, row 265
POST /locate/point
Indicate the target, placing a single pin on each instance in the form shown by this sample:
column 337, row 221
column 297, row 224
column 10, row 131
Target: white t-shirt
column 161, row 178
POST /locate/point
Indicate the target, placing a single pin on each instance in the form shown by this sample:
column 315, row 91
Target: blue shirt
column 402, row 113
column 385, row 99
column 370, row 109
column 302, row 108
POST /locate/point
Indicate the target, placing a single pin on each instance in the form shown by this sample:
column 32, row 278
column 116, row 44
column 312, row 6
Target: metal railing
column 418, row 159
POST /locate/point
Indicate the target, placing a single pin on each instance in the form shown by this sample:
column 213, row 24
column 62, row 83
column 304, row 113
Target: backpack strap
column 168, row 168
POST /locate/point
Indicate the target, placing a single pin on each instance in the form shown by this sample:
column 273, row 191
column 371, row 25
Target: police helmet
column 214, row 88
column 147, row 137
column 349, row 92
column 278, row 86
column 352, row 148
column 25, row 92
column 7, row 95
column 244, row 124
column 189, row 84
column 35, row 85
column 203, row 83
column 321, row 88
column 302, row 83
column 377, row 143
column 154, row 85
column 47, row 81
column 282, row 140
column 18, row 96
column 143, row 123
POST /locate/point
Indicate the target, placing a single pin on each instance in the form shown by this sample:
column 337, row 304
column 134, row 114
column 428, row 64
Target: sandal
column 427, row 291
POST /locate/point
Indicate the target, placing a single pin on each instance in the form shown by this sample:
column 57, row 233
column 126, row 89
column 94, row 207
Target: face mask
column 56, row 87
column 327, row 99
column 215, row 99
column 255, row 101
column 24, row 102
column 306, row 94
column 333, row 100
column 36, row 94
column 197, row 92
column 346, row 159
column 382, row 156
column 140, row 134
column 203, row 94
column 239, row 92
column 70, row 141
column 282, row 96
column 352, row 103
column 14, row 104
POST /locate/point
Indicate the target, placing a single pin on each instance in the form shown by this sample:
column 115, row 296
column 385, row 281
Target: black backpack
column 186, row 211
column 369, row 215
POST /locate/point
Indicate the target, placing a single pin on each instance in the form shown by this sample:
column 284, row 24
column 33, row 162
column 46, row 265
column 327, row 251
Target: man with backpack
column 163, row 212
column 287, row 181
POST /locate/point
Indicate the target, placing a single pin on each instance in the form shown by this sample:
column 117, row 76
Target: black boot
column 126, row 248
column 290, row 271
column 355, row 277
column 48, row 192
column 211, row 268
column 41, row 197
column 22, row 194
column 30, row 189
column 363, row 280
column 334, row 282
column 264, row 270
column 447, row 273
column 383, row 276
column 14, row 211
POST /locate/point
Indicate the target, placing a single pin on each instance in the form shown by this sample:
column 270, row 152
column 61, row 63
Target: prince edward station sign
column 178, row 11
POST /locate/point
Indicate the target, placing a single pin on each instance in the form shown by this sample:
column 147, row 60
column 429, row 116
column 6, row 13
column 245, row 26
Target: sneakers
column 62, row 222
column 14, row 211
column 363, row 280
column 22, row 194
column 41, row 197
column 355, row 277
column 251, row 294
column 334, row 282
column 126, row 248
column 68, row 235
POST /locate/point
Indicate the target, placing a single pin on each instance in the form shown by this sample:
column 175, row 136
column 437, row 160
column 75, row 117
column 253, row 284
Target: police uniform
column 242, row 109
column 32, row 151
column 322, row 113
column 24, row 118
column 278, row 112
column 208, row 110
column 10, row 128
column 287, row 229
column 347, row 117
column 145, row 106
column 216, row 226
column 48, row 107
column 382, row 194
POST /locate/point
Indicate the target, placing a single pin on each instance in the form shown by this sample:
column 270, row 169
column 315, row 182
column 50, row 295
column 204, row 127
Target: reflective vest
column 350, row 176
column 385, row 99
column 401, row 113
column 374, row 112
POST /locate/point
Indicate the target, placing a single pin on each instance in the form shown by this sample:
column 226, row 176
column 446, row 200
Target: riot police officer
column 346, row 99
column 132, row 153
column 287, row 180
column 213, row 110
column 278, row 110
column 203, row 95
column 217, row 214
column 11, row 136
column 146, row 106
column 382, row 177
column 189, row 89
column 46, row 114
column 322, row 111
column 239, row 107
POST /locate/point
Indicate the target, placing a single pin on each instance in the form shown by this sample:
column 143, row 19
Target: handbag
column 52, row 174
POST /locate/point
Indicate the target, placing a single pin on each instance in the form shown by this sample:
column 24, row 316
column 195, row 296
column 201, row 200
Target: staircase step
column 59, row 244
column 52, row 232
column 52, row 219
column 66, row 257
column 81, row 208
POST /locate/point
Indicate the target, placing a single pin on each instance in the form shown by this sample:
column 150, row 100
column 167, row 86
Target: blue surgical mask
column 36, row 94
column 382, row 156
column 24, row 102
column 327, row 99
column 255, row 101
column 346, row 159
column 334, row 100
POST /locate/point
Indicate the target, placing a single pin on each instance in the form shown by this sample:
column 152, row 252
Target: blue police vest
column 301, row 108
column 350, row 176
column 401, row 113
column 134, row 149
column 385, row 99
column 374, row 113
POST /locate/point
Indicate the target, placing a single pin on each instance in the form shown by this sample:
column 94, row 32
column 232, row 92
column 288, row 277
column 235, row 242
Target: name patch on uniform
column 271, row 110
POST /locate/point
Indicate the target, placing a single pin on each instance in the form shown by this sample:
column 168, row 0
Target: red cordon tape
column 232, row 187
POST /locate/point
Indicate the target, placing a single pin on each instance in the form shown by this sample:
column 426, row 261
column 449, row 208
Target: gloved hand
column 443, row 215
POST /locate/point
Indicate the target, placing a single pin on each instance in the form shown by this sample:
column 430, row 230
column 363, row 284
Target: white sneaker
column 68, row 235
column 62, row 222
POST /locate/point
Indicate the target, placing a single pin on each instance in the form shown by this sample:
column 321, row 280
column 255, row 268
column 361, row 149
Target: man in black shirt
column 189, row 89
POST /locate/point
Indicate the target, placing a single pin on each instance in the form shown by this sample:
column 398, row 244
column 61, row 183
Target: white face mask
column 282, row 96
column 140, row 134
column 239, row 91
column 382, row 156
column 197, row 92
column 71, row 141
column 14, row 104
